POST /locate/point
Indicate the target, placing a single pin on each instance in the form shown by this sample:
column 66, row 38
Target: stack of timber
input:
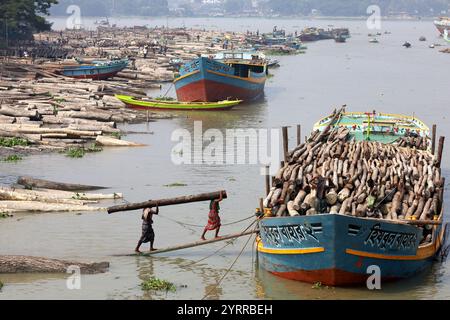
column 331, row 173
column 37, row 195
column 56, row 114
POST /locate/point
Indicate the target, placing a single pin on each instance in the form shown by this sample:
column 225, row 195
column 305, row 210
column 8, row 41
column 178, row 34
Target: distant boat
column 407, row 44
column 141, row 104
column 233, row 75
column 97, row 70
column 340, row 38
column 442, row 24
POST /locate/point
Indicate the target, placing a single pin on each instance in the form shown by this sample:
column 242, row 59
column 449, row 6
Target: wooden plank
column 193, row 244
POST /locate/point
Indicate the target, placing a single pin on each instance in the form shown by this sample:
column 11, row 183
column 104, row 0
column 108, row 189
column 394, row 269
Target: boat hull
column 100, row 72
column 209, row 80
column 338, row 250
column 132, row 103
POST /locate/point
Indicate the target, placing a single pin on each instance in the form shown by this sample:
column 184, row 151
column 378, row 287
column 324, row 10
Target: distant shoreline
column 356, row 18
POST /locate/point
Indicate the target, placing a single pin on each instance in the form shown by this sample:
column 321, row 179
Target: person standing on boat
column 213, row 217
column 148, row 235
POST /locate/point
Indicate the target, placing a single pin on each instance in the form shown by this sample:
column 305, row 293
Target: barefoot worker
column 148, row 235
column 213, row 217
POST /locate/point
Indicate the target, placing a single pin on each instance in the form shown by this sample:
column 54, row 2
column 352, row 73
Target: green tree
column 19, row 19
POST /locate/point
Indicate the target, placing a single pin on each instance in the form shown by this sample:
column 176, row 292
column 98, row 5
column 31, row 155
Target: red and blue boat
column 235, row 75
column 343, row 249
column 97, row 70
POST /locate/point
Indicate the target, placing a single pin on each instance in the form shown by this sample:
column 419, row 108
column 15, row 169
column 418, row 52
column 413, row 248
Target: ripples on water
column 384, row 76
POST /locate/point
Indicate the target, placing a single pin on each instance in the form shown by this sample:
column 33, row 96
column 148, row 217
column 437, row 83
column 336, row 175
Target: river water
column 364, row 76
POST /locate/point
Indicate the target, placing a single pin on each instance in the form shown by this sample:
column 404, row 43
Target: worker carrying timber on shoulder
column 148, row 235
column 213, row 217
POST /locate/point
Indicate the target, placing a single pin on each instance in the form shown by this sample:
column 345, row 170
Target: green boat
column 143, row 104
column 407, row 131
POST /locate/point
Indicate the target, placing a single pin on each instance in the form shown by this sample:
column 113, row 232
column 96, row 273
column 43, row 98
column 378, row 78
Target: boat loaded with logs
column 364, row 189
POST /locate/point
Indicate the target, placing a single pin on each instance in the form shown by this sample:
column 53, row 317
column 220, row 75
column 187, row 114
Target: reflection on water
column 385, row 77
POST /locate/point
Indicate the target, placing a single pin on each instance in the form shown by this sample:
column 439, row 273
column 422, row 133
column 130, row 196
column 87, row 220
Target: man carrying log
column 213, row 217
column 148, row 235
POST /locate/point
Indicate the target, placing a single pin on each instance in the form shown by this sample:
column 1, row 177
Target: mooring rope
column 202, row 226
column 197, row 225
column 229, row 269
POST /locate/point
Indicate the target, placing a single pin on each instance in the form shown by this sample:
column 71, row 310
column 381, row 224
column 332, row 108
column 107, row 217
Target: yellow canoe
column 133, row 103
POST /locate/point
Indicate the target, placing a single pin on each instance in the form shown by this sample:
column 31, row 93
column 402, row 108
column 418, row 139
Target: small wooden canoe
column 175, row 105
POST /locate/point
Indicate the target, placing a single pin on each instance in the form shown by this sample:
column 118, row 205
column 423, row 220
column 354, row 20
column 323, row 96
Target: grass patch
column 78, row 196
column 79, row 152
column 94, row 148
column 156, row 284
column 75, row 152
column 176, row 184
column 1, row 285
column 4, row 215
column 116, row 135
column 12, row 158
column 12, row 142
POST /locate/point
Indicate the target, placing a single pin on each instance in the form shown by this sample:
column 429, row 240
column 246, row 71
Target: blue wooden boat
column 97, row 70
column 235, row 75
column 338, row 250
column 341, row 249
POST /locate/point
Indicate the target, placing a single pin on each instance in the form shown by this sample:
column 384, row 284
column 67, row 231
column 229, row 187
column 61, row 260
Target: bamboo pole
column 285, row 143
column 433, row 139
column 267, row 178
column 299, row 134
column 440, row 150
column 168, row 202
column 194, row 244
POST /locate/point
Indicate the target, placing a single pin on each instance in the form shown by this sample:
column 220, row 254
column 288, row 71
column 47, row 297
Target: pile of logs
column 55, row 114
column 413, row 141
column 330, row 174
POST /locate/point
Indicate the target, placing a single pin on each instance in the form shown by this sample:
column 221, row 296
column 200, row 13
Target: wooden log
column 34, row 206
column 30, row 182
column 28, row 264
column 19, row 112
column 194, row 244
column 29, row 195
column 167, row 202
column 113, row 142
